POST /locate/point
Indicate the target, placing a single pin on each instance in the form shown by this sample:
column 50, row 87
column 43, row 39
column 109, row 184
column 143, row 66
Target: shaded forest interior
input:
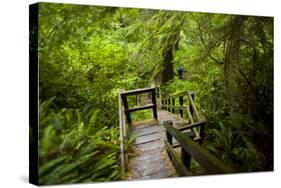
column 87, row 53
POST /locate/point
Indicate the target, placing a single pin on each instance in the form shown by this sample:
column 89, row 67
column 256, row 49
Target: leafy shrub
column 75, row 146
column 142, row 115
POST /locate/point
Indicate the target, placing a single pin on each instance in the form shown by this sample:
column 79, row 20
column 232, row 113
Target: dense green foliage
column 75, row 147
column 228, row 62
column 233, row 77
column 87, row 53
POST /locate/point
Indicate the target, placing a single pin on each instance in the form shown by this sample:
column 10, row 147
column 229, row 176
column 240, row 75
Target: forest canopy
column 88, row 53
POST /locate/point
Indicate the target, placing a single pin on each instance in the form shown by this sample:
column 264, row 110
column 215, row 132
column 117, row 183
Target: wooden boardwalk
column 164, row 147
column 150, row 159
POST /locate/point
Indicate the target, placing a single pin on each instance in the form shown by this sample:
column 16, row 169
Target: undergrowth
column 75, row 146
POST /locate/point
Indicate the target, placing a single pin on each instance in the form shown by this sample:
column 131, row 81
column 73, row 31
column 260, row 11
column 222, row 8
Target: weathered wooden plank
column 139, row 127
column 148, row 130
column 208, row 162
column 151, row 145
column 161, row 174
column 148, row 138
column 149, row 160
column 148, row 133
column 151, row 169
column 148, row 155
column 144, row 123
column 149, row 164
column 176, row 160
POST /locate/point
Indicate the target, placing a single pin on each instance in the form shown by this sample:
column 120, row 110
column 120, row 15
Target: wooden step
column 148, row 138
column 148, row 130
column 144, row 123
column 156, row 144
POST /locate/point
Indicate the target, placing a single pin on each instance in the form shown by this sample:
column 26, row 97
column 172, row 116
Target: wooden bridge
column 165, row 145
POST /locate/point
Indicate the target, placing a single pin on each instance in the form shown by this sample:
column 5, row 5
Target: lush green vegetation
column 75, row 147
column 87, row 53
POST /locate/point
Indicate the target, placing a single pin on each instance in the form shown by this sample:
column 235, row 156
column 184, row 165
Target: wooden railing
column 124, row 113
column 183, row 105
column 191, row 149
column 189, row 135
column 176, row 104
column 128, row 109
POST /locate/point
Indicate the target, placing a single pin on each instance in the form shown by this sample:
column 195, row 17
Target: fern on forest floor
column 75, row 146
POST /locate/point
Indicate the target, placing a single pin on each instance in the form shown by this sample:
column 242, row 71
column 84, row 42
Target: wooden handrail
column 209, row 163
column 182, row 170
column 191, row 110
column 128, row 110
column 138, row 91
column 166, row 105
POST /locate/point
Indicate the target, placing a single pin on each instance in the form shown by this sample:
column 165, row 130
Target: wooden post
column 162, row 102
column 154, row 104
column 201, row 133
column 173, row 105
column 137, row 102
column 122, row 130
column 169, row 136
column 181, row 105
column 139, row 98
column 126, row 108
column 185, row 158
column 190, row 107
column 169, row 103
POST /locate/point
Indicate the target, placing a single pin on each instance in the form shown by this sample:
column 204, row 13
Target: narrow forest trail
column 149, row 159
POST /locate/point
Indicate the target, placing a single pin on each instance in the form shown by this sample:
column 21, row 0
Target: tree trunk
column 168, row 65
column 167, row 54
column 232, row 51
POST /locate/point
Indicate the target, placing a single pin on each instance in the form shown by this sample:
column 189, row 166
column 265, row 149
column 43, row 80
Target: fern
column 76, row 147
